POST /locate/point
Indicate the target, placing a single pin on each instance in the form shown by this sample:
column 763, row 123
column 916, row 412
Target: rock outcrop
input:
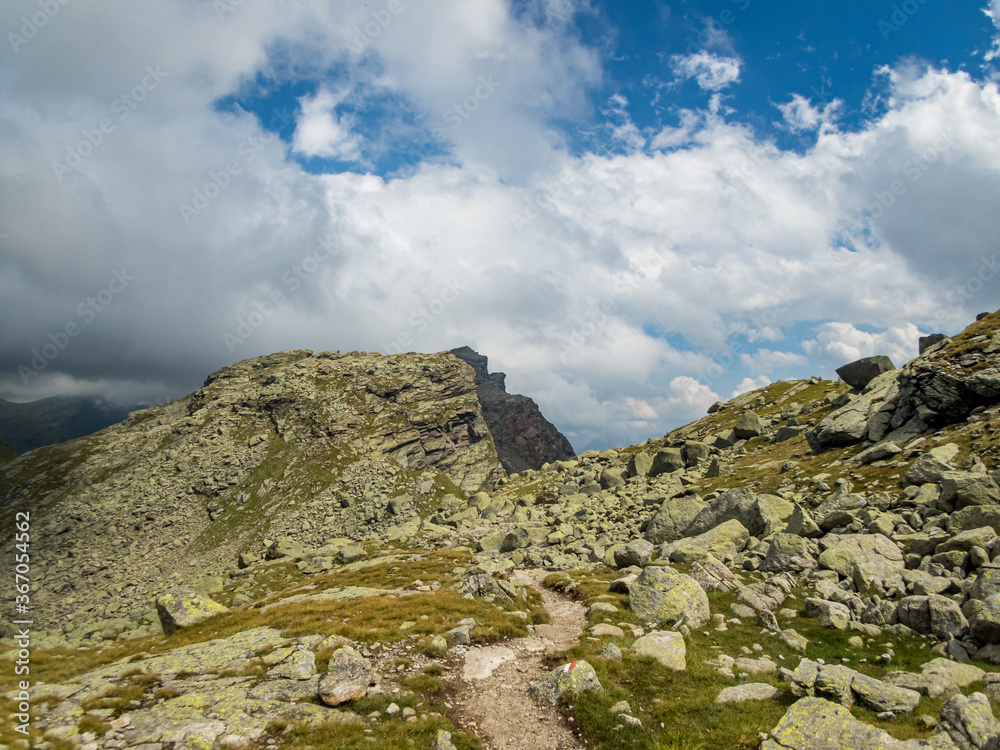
column 524, row 439
column 296, row 444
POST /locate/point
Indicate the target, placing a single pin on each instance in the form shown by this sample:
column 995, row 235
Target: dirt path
column 494, row 702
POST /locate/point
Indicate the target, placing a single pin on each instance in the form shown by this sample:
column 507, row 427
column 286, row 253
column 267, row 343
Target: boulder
column 864, row 559
column 932, row 615
column 760, row 515
column 984, row 618
column 932, row 465
column 974, row 517
column 818, row 724
column 828, row 614
column 286, row 546
column 638, row 552
column 667, row 461
column 748, row 426
column 751, row 691
column 181, row 608
column 723, row 542
column 783, row 549
column 880, row 696
column 963, row 488
column 695, row 452
column 861, row 372
column 666, row 646
column 983, row 537
column 574, row 678
column 969, row 721
column 673, row 519
column 639, row 465
column 348, row 677
column 987, row 583
column 661, row 595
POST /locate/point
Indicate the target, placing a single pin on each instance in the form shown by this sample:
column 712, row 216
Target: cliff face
column 524, row 438
column 291, row 444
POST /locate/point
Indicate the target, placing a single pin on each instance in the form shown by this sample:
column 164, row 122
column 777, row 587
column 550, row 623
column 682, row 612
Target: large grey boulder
column 761, row 515
column 786, row 552
column 639, row 465
column 970, row 723
column 667, row 461
column 661, row 595
column 932, row 465
column 828, row 614
column 748, row 426
column 861, row 372
column 933, row 615
column 962, row 488
column 348, row 677
column 818, row 724
column 638, row 552
column 673, row 519
column 863, row 559
column 984, row 618
column 181, row 608
column 852, row 422
column 724, row 542
column 974, row 517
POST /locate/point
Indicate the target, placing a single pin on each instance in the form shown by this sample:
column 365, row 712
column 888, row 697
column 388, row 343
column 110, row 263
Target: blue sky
column 633, row 209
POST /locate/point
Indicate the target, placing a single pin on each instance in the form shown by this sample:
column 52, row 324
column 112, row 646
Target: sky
column 634, row 209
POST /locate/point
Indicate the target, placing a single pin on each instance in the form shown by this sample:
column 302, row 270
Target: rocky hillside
column 524, row 438
column 48, row 421
column 811, row 566
column 317, row 446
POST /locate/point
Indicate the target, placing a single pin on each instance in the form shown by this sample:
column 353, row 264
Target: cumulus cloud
column 712, row 72
column 766, row 361
column 837, row 344
column 801, row 116
column 608, row 286
column 750, row 384
column 320, row 131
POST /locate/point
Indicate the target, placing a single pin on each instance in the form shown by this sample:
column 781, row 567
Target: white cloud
column 750, row 384
column 561, row 276
column 993, row 12
column 712, row 72
column 766, row 360
column 320, row 131
column 837, row 344
column 801, row 116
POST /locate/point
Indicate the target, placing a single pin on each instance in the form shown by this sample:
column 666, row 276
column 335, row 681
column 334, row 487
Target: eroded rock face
column 524, row 439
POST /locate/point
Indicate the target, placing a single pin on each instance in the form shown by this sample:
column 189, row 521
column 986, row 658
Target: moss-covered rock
column 662, row 595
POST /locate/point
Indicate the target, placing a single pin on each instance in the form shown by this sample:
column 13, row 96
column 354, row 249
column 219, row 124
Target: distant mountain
column 524, row 438
column 24, row 427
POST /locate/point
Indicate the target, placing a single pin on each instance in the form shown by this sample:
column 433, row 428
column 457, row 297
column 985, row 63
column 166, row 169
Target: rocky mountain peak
column 524, row 438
